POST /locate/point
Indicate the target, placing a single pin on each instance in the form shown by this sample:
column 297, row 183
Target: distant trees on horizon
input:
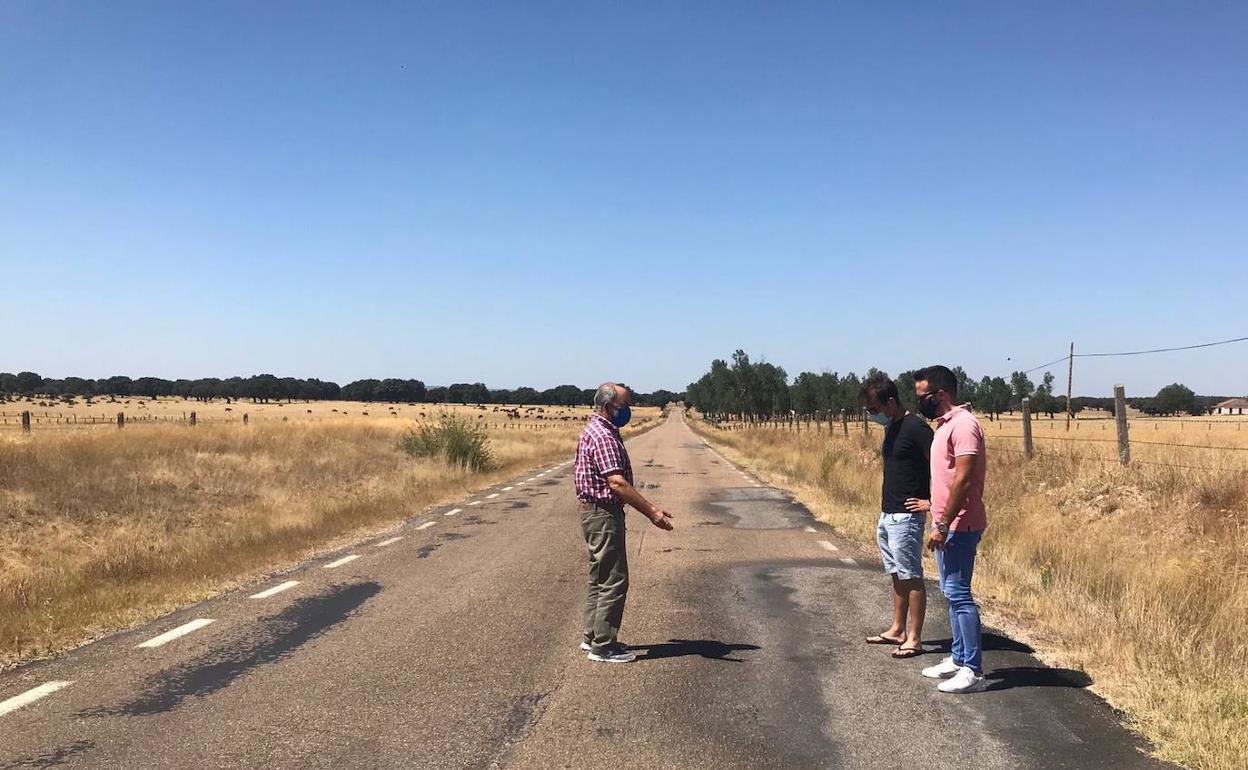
column 758, row 390
column 265, row 388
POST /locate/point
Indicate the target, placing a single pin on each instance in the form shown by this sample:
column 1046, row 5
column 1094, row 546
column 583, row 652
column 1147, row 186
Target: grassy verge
column 101, row 530
column 1133, row 575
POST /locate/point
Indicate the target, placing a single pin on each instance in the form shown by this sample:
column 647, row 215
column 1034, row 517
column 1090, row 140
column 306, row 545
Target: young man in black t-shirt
column 905, row 501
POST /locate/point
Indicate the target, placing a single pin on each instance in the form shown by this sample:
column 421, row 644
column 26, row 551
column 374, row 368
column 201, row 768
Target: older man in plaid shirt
column 604, row 484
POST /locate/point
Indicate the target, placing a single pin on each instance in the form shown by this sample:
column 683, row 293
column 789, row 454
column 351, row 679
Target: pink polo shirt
column 958, row 433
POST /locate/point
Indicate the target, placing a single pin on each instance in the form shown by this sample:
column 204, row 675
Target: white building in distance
column 1230, row 406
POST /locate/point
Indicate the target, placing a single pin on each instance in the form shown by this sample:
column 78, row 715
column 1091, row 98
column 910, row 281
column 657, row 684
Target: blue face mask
column 622, row 416
column 881, row 418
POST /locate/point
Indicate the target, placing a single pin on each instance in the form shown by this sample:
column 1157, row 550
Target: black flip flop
column 881, row 639
column 901, row 653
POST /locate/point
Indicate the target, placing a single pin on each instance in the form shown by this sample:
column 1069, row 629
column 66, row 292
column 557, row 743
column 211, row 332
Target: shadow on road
column 270, row 640
column 991, row 641
column 1036, row 676
column 704, row 648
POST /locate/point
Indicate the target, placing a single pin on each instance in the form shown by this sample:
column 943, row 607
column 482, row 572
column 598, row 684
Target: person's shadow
column 1035, row 676
column 705, row 648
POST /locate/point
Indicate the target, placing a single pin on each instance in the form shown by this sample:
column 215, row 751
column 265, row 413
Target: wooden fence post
column 845, row 421
column 244, row 418
column 1120, row 417
column 26, row 422
column 192, row 418
column 1027, row 448
column 866, row 424
column 121, row 419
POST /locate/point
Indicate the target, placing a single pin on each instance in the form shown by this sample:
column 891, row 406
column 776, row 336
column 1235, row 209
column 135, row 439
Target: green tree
column 1174, row 399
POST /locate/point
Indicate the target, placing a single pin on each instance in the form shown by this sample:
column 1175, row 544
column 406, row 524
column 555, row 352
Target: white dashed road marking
column 277, row 589
column 810, row 530
column 30, row 696
column 453, row 511
column 825, row 545
column 508, row 489
column 475, row 502
column 491, row 497
column 848, row 562
column 181, row 630
column 388, row 541
column 426, row 525
column 342, row 561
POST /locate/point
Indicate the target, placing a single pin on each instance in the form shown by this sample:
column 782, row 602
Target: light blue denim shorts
column 900, row 536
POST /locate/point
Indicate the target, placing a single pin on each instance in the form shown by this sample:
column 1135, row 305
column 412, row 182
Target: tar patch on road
column 759, row 508
column 271, row 639
column 51, row 758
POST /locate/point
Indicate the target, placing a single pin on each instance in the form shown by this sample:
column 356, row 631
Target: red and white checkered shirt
column 600, row 453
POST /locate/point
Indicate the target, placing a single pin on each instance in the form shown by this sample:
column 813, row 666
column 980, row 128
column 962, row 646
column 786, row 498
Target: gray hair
column 606, row 393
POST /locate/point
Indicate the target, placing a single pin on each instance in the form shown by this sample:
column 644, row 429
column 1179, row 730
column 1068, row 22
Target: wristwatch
column 942, row 528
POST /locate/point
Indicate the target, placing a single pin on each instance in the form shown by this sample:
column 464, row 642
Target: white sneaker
column 613, row 656
column 965, row 680
column 586, row 646
column 942, row 669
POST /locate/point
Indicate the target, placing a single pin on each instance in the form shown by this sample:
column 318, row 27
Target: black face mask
column 928, row 406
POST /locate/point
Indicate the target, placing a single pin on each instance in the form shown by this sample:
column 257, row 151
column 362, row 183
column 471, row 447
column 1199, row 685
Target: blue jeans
column 956, row 562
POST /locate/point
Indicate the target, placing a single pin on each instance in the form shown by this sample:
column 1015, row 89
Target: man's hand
column 661, row 519
column 936, row 540
column 915, row 505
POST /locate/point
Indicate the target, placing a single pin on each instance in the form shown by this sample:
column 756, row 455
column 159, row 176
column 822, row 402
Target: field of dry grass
column 1137, row 576
column 104, row 528
column 50, row 414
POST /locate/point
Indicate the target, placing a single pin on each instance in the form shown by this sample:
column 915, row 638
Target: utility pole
column 1070, row 381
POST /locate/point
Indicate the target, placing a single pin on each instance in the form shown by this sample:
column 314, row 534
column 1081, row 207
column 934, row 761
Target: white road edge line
column 390, row 541
column 30, row 696
column 453, row 511
column 426, row 525
column 827, row 546
column 277, row 589
column 342, row 561
column 172, row 634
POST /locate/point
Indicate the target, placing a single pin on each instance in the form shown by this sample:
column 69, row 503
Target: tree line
column 265, row 388
column 744, row 389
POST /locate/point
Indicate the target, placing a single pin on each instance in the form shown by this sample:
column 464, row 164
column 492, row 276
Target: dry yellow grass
column 1135, row 575
column 48, row 414
column 103, row 529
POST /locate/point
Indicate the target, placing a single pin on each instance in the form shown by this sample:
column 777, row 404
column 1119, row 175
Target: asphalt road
column 456, row 646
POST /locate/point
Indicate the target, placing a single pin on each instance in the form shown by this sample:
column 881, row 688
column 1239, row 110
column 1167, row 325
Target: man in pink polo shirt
column 958, row 522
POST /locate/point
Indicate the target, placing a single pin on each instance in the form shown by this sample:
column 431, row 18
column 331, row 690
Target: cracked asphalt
column 457, row 647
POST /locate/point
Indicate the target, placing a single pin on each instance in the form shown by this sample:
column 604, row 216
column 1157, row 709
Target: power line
column 1160, row 350
column 1042, row 366
column 1136, row 352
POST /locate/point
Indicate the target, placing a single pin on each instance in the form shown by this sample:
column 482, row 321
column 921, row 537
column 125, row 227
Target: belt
column 585, row 507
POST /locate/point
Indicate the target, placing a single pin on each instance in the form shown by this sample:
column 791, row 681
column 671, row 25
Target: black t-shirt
column 907, row 443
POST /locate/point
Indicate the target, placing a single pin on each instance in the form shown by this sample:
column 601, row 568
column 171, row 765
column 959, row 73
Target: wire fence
column 851, row 426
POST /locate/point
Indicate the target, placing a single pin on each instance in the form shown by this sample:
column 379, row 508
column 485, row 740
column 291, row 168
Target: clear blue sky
column 547, row 193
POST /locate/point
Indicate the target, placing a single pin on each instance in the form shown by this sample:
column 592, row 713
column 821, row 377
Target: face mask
column 621, row 416
column 880, row 418
column 928, row 405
